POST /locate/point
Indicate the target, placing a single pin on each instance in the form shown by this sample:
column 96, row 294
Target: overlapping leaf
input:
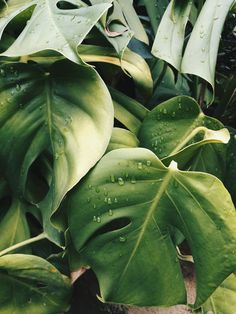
column 65, row 29
column 121, row 214
column 66, row 110
column 178, row 129
column 35, row 285
column 223, row 300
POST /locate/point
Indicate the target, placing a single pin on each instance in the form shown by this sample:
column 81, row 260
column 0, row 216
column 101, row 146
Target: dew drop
column 2, row 72
column 109, row 201
column 110, row 213
column 94, row 218
column 115, row 200
column 98, row 219
column 149, row 163
column 121, row 181
column 122, row 239
column 140, row 165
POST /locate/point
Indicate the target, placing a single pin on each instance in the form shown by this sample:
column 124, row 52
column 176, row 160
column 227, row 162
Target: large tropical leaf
column 35, row 285
column 132, row 63
column 122, row 138
column 66, row 29
column 223, row 300
column 169, row 40
column 119, row 220
column 64, row 109
column 178, row 129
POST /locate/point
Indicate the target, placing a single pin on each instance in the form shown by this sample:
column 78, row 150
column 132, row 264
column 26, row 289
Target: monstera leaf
column 66, row 28
column 223, row 300
column 178, row 129
column 66, row 110
column 35, row 285
column 120, row 218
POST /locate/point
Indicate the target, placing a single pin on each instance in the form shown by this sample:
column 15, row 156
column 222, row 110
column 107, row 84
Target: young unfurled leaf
column 119, row 221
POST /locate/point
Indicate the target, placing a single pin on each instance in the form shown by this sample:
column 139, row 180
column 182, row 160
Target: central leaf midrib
column 150, row 212
column 48, row 92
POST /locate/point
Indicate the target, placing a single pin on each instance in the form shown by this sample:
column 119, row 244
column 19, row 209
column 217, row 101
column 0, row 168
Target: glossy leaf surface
column 178, row 129
column 66, row 110
column 35, row 285
column 66, row 29
column 121, row 214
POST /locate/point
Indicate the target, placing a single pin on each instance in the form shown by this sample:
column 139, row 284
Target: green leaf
column 155, row 10
column 177, row 129
column 122, row 138
column 66, row 29
column 223, row 300
column 35, row 285
column 169, row 40
column 133, row 20
column 121, row 213
column 128, row 111
column 229, row 180
column 65, row 109
column 204, row 41
column 14, row 226
column 135, row 65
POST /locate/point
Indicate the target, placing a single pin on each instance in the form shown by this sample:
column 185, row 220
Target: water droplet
column 115, row 200
column 203, row 49
column 2, row 72
column 94, row 206
column 90, row 186
column 98, row 219
column 140, row 165
column 149, row 163
column 133, row 181
column 216, row 18
column 109, row 201
column 173, row 114
column 121, row 181
column 110, row 212
column 165, row 111
column 122, row 239
column 94, row 218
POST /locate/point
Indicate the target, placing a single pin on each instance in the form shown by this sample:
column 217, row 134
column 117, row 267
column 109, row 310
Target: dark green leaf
column 121, row 214
column 66, row 110
column 33, row 284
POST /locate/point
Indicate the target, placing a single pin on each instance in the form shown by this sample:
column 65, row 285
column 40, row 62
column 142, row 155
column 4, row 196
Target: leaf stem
column 23, row 243
column 186, row 258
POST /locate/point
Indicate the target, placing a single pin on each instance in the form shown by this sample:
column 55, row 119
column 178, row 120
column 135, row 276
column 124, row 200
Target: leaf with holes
column 67, row 111
column 123, row 212
column 35, row 285
column 178, row 130
column 67, row 24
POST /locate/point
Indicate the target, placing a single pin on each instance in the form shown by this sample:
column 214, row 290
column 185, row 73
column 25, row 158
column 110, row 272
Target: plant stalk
column 39, row 237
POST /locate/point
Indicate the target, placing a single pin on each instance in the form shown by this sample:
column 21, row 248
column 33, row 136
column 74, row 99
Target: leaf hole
column 65, row 5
